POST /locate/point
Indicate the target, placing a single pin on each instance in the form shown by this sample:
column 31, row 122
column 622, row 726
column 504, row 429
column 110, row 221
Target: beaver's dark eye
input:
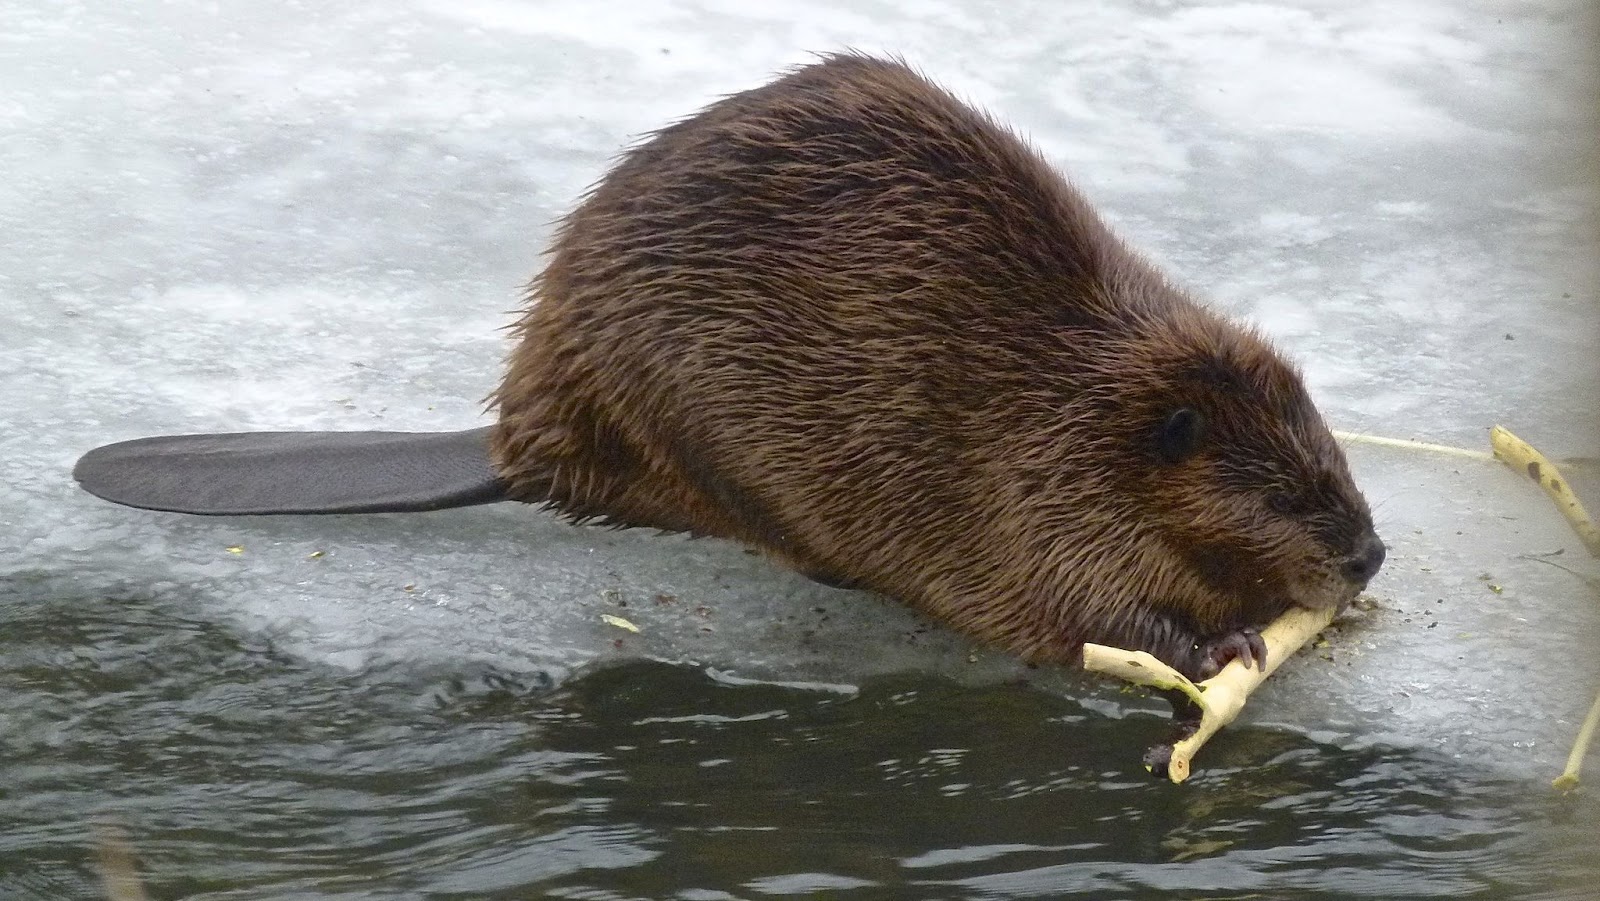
column 1181, row 435
column 1281, row 502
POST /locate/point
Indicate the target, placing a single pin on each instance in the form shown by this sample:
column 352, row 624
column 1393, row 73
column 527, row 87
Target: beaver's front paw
column 1210, row 655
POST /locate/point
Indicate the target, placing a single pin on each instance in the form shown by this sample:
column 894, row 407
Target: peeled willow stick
column 117, row 870
column 1408, row 444
column 1519, row 454
column 1219, row 698
column 1568, row 780
column 1448, row 450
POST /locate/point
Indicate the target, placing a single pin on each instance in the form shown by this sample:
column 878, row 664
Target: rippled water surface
column 237, row 771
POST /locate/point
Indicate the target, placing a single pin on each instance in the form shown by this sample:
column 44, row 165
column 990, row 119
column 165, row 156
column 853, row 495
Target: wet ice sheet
column 288, row 216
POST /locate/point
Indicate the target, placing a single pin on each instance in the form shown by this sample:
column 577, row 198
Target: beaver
column 852, row 322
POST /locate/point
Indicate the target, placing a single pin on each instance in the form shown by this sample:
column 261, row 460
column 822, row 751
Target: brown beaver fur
column 848, row 320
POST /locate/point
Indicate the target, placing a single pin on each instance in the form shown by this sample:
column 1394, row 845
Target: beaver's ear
column 1181, row 435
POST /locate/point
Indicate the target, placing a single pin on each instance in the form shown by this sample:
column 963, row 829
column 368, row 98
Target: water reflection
column 240, row 772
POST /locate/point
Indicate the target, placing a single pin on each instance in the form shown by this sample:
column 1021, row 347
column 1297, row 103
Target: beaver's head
column 1247, row 492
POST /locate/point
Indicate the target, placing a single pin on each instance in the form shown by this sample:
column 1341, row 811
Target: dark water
column 239, row 772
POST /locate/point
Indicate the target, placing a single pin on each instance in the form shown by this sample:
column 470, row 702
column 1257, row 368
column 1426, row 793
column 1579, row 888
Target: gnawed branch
column 1219, row 698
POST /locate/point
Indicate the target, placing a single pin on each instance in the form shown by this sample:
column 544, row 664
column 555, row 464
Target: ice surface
column 297, row 215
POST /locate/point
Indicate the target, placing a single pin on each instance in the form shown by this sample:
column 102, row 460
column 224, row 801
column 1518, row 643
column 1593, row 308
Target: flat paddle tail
column 295, row 472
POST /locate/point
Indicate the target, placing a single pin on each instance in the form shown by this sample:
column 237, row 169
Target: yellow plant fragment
column 1568, row 780
column 118, row 873
column 1221, row 697
column 1520, row 455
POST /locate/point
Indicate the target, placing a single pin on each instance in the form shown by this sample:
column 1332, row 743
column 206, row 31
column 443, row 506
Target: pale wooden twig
column 1221, row 697
column 1448, row 450
column 1520, row 455
column 1408, row 444
column 1568, row 780
column 118, row 873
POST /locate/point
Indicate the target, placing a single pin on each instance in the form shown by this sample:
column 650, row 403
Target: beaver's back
column 838, row 265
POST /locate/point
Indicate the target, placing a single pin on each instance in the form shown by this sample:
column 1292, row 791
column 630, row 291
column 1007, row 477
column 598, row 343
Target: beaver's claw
column 1211, row 655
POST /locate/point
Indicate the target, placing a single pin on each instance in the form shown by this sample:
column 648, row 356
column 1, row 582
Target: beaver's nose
column 1362, row 565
